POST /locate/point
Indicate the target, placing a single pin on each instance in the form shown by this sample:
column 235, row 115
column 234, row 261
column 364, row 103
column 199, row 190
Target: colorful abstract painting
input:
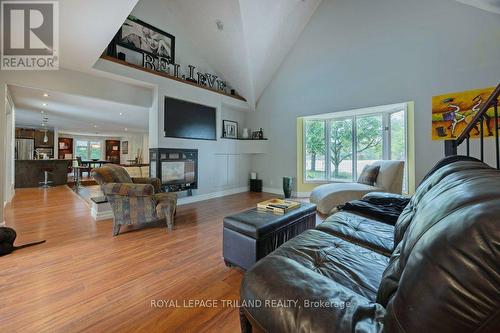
column 451, row 113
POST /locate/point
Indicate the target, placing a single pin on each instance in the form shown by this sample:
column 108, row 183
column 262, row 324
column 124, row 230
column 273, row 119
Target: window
column 338, row 146
column 88, row 149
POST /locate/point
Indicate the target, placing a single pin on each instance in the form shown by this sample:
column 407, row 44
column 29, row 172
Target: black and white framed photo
column 142, row 37
column 230, row 129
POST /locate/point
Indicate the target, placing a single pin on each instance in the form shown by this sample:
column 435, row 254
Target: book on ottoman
column 278, row 206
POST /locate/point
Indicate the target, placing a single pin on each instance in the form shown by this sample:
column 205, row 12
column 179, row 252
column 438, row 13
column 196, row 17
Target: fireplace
column 176, row 168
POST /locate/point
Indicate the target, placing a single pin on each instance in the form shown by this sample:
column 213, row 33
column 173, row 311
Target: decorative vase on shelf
column 246, row 133
column 287, row 186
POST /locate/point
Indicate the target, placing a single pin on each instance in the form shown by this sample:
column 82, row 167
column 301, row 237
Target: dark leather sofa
column 436, row 270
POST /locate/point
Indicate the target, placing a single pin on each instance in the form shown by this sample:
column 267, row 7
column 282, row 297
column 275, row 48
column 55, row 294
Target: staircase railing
column 451, row 146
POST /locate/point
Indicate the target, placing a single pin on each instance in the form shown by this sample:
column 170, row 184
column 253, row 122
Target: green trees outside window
column 339, row 148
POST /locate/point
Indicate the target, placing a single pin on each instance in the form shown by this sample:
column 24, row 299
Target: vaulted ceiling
column 247, row 52
column 489, row 5
column 255, row 38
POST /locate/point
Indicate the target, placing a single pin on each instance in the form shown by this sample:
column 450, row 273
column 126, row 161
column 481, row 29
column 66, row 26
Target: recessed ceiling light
column 45, row 95
column 44, row 104
column 121, row 113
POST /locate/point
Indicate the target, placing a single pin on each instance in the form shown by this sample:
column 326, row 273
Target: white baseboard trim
column 213, row 195
column 273, row 190
column 101, row 211
column 279, row 191
column 102, row 216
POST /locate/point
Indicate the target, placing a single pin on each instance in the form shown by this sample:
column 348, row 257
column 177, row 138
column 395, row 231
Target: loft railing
column 451, row 146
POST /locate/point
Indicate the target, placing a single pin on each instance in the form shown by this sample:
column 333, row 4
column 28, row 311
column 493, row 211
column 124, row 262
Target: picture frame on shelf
column 229, row 129
column 142, row 37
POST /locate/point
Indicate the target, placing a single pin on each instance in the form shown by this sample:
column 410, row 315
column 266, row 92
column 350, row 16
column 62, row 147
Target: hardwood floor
column 84, row 279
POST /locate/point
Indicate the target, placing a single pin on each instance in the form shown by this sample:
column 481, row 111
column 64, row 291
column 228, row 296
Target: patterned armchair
column 134, row 200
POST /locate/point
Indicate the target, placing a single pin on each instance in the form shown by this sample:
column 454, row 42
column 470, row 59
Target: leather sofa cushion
column 348, row 264
column 258, row 224
column 374, row 235
column 317, row 266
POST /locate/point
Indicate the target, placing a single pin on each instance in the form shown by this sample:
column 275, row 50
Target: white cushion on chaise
column 328, row 196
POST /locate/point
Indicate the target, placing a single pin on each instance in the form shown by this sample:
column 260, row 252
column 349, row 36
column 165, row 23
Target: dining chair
column 83, row 168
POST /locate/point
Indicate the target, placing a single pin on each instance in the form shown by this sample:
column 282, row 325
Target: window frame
column 384, row 111
column 89, row 147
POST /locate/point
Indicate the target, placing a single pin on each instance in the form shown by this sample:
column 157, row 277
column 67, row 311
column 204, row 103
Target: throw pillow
column 369, row 175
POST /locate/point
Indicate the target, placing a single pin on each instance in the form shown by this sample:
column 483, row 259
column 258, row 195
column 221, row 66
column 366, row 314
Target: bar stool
column 77, row 177
column 46, row 182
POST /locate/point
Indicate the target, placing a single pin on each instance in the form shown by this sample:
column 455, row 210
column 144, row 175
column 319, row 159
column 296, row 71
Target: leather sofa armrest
column 128, row 189
column 152, row 181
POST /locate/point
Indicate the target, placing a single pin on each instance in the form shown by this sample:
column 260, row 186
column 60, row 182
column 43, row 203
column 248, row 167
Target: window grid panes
column 88, row 149
column 351, row 143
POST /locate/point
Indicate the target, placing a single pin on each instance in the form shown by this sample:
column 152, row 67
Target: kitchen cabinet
column 25, row 133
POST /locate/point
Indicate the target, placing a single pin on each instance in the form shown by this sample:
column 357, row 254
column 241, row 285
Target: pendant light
column 45, row 120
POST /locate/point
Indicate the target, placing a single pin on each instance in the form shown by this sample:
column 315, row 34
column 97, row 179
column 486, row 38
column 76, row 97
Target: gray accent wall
column 361, row 53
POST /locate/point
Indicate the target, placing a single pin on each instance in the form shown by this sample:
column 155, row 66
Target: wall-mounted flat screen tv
column 188, row 120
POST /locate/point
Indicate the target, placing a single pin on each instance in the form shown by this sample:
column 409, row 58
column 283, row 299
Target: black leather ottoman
column 253, row 234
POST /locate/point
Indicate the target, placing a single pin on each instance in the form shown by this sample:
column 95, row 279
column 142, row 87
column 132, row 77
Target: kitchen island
column 29, row 173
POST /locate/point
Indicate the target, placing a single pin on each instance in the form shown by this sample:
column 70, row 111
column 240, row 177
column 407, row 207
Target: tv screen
column 189, row 120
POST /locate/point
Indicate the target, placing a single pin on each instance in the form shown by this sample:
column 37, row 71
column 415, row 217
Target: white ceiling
column 257, row 36
column 86, row 27
column 271, row 29
column 77, row 114
column 489, row 5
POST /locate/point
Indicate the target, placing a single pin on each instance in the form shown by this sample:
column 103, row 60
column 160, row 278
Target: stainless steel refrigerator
column 25, row 149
